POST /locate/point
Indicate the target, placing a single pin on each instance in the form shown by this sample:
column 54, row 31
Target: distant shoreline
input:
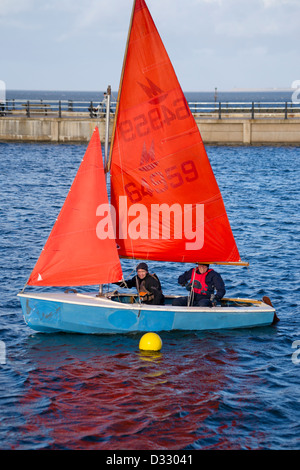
column 196, row 96
column 233, row 90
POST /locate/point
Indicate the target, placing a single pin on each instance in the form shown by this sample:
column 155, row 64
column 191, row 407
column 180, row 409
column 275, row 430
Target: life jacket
column 143, row 292
column 198, row 281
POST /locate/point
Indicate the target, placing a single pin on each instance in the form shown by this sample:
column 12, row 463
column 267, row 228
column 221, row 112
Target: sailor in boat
column 147, row 285
column 206, row 287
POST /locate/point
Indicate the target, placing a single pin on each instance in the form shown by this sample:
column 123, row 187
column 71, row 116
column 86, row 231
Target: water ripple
column 214, row 390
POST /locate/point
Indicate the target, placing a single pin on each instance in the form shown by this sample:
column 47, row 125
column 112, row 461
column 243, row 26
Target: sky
column 79, row 44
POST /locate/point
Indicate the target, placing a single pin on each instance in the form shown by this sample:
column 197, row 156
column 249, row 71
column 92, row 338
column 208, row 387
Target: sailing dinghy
column 165, row 206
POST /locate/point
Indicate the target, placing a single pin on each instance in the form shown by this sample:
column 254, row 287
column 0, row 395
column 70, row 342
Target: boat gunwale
column 255, row 306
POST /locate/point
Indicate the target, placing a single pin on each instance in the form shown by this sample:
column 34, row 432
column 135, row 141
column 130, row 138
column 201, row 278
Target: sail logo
column 159, row 222
column 154, row 93
column 158, row 116
column 148, row 162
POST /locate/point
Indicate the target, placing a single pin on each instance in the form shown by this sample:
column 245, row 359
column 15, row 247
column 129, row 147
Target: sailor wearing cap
column 147, row 285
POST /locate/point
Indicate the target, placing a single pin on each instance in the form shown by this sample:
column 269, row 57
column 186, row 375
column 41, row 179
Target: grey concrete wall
column 49, row 129
column 214, row 131
column 250, row 131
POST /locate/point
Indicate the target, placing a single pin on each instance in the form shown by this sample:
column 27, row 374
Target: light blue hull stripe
column 47, row 315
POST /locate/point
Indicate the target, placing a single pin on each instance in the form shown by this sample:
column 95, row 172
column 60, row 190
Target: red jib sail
column 167, row 200
column 74, row 254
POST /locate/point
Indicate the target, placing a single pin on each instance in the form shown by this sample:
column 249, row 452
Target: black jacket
column 214, row 283
column 150, row 284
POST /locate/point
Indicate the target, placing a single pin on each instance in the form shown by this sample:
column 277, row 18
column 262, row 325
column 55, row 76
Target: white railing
column 54, row 108
column 254, row 109
column 92, row 109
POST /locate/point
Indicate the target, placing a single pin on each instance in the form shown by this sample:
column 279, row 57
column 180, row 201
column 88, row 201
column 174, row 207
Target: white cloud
column 12, row 7
column 69, row 37
column 275, row 3
column 94, row 17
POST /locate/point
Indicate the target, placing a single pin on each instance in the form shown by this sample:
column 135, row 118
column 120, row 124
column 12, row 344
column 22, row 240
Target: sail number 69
column 160, row 182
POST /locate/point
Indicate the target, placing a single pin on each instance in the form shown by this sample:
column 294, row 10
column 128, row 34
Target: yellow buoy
column 150, row 342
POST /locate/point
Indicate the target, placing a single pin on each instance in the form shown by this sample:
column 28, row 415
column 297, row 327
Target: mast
column 107, row 167
column 107, row 121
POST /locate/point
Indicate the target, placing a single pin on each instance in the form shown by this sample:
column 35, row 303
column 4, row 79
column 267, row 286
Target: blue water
column 211, row 390
column 200, row 96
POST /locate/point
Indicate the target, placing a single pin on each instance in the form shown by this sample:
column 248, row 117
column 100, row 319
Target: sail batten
column 199, row 261
column 158, row 160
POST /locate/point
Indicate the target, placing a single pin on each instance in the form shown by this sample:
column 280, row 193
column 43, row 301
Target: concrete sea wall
column 238, row 131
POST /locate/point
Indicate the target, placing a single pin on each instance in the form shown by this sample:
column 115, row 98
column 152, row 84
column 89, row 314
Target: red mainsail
column 168, row 203
column 73, row 254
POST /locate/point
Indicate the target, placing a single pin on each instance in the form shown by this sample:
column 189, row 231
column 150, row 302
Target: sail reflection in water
column 129, row 400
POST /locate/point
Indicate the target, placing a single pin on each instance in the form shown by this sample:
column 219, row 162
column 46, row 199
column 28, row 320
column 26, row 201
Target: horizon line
column 233, row 90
